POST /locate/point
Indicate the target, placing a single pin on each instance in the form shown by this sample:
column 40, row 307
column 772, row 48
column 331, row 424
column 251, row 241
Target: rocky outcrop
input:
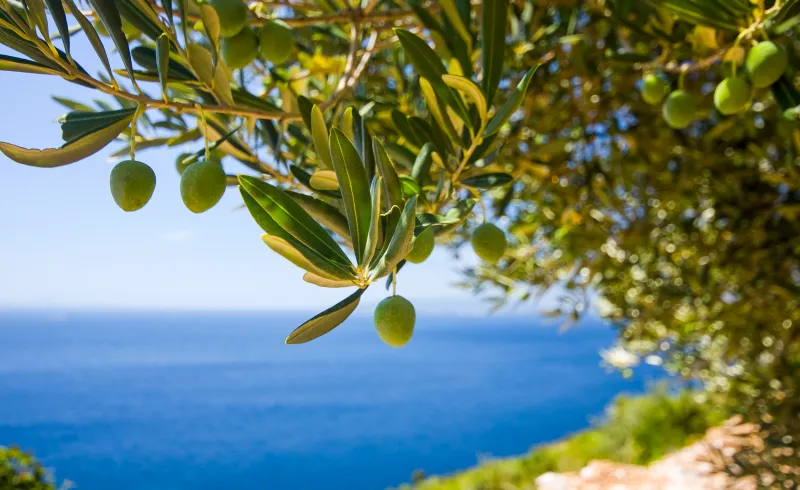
column 701, row 466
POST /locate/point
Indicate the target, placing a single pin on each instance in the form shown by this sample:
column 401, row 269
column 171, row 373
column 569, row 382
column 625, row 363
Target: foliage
column 390, row 117
column 634, row 430
column 20, row 471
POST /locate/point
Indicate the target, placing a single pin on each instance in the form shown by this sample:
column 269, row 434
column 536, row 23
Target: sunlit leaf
column 325, row 321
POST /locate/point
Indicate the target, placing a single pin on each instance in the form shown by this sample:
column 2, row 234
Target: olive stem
column 394, row 282
column 205, row 131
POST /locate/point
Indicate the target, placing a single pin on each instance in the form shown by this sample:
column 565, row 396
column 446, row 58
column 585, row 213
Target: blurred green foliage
column 634, row 430
column 21, row 471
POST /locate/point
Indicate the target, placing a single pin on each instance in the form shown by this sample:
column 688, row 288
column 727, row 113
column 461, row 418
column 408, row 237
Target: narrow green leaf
column 440, row 116
column 347, row 124
column 354, row 186
column 389, row 222
column 473, row 92
column 327, row 215
column 403, row 127
column 216, row 78
column 212, row 27
column 363, row 142
column 374, row 222
column 71, row 104
column 450, row 10
column 291, row 248
column 305, row 106
column 56, row 9
column 400, row 243
column 37, row 13
column 394, row 192
column 78, row 123
column 148, row 58
column 10, row 63
column 141, row 15
column 183, row 11
column 487, row 181
column 317, row 265
column 422, row 165
column 319, row 133
column 493, row 36
column 511, row 105
column 162, row 59
column 410, row 186
column 167, row 6
column 323, row 282
column 292, row 218
column 110, row 17
column 199, row 154
column 325, row 321
column 91, row 35
column 71, row 152
column 429, row 66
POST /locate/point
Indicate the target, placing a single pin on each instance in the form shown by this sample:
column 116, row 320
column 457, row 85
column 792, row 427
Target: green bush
column 20, row 471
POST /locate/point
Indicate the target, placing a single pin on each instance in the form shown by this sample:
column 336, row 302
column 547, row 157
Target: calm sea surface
column 174, row 401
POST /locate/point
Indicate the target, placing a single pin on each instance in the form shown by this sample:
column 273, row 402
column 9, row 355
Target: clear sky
column 65, row 244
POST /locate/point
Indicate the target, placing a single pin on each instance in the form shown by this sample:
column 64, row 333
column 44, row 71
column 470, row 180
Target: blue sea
column 210, row 401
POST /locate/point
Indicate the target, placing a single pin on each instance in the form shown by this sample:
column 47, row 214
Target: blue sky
column 65, row 244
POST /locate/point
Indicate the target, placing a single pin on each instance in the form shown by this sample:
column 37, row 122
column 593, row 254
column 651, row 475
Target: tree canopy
column 642, row 156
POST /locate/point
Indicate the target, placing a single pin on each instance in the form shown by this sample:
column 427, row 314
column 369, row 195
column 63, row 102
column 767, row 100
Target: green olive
column 276, row 41
column 654, row 89
column 489, row 242
column 679, row 109
column 732, row 95
column 132, row 185
column 423, row 246
column 202, row 185
column 232, row 16
column 394, row 320
column 240, row 50
column 765, row 63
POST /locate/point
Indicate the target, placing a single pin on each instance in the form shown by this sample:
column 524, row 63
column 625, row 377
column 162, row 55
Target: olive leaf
column 213, row 76
column 391, row 182
column 78, row 148
column 327, row 215
column 323, row 282
column 110, row 17
column 11, row 63
column 352, row 178
column 400, row 243
column 79, row 123
column 511, row 105
column 293, row 219
column 319, row 133
column 91, row 35
column 493, row 36
column 162, row 59
column 440, row 116
column 422, row 165
column 283, row 243
column 472, row 90
column 487, row 181
column 452, row 14
column 56, row 9
column 374, row 222
column 429, row 66
column 304, row 258
column 325, row 321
